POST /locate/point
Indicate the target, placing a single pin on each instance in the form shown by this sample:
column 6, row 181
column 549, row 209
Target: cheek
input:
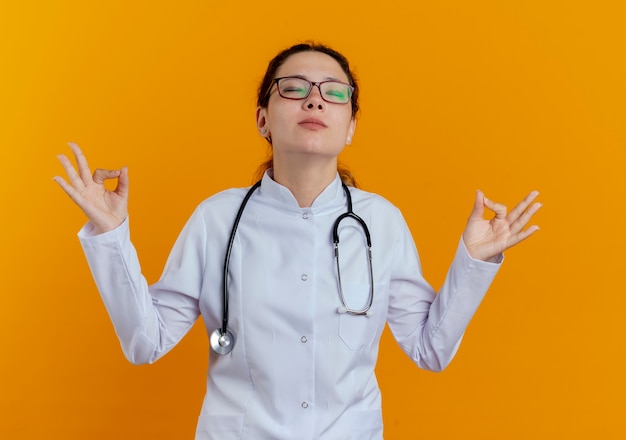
column 278, row 115
column 348, row 123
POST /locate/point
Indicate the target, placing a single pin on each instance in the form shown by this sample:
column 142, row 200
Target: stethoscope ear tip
column 342, row 309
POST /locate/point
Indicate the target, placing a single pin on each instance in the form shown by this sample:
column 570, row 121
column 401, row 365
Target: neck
column 305, row 181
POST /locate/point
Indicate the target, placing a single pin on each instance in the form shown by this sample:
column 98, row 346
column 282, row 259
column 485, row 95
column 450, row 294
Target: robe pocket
column 220, row 426
column 359, row 331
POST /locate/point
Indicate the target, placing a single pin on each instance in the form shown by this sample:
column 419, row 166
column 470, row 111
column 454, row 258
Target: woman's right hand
column 105, row 209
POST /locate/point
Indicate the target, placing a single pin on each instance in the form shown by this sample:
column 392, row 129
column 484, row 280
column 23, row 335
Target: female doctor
column 295, row 277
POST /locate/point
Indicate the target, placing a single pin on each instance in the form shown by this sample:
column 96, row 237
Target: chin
column 322, row 150
column 312, row 145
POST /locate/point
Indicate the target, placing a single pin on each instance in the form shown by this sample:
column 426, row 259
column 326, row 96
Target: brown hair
column 263, row 95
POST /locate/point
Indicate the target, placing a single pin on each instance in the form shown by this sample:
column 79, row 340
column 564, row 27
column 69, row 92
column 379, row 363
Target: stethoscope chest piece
column 222, row 342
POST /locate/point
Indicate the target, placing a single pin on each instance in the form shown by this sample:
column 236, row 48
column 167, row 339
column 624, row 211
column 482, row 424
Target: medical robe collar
column 331, row 197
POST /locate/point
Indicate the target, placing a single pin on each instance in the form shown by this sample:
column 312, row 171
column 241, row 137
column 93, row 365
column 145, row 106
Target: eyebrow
column 328, row 78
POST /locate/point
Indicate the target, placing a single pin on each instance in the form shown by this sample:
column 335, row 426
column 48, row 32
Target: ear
column 261, row 122
column 351, row 130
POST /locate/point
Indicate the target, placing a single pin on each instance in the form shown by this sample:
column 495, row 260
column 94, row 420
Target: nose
column 314, row 99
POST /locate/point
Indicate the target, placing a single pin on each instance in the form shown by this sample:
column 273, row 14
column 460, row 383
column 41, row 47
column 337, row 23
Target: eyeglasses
column 293, row 87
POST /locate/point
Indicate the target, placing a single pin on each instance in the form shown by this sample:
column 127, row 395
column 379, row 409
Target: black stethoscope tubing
column 222, row 339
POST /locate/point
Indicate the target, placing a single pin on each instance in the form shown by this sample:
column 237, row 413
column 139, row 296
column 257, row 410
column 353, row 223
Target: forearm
column 115, row 267
column 450, row 313
column 429, row 326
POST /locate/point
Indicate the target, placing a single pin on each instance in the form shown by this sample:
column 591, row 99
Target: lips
column 312, row 123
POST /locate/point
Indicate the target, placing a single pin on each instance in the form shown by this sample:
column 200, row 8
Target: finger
column 73, row 177
column 479, row 206
column 521, row 206
column 63, row 184
column 69, row 189
column 81, row 163
column 498, row 208
column 523, row 219
column 100, row 175
column 523, row 235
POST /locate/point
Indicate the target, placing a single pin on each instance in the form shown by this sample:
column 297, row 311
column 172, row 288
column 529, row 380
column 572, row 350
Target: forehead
column 315, row 66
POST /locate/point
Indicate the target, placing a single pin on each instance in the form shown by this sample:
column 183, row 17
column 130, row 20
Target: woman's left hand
column 487, row 239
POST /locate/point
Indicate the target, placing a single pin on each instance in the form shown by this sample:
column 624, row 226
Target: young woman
column 295, row 277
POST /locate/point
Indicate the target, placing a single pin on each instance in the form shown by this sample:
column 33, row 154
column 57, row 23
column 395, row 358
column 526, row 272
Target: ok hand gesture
column 105, row 209
column 486, row 239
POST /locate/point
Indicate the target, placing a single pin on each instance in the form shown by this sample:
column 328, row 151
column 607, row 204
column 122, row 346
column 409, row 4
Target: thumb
column 122, row 183
column 478, row 210
column 498, row 208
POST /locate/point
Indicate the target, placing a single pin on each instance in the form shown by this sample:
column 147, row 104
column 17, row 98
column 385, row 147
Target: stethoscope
column 222, row 340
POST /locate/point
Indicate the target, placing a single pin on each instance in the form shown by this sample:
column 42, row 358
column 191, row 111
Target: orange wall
column 457, row 95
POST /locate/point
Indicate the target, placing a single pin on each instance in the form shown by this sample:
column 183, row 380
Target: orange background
column 502, row 96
